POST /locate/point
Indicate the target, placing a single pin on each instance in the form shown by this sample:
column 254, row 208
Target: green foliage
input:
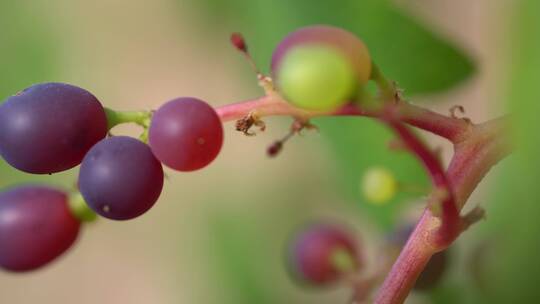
column 514, row 210
column 26, row 46
column 360, row 144
column 240, row 256
column 28, row 57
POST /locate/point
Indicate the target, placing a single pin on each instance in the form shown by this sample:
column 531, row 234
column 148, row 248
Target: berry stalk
column 483, row 148
column 114, row 118
column 453, row 129
column 442, row 198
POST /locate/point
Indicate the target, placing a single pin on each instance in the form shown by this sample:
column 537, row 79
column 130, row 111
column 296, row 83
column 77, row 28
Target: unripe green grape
column 316, row 78
column 378, row 185
column 320, row 67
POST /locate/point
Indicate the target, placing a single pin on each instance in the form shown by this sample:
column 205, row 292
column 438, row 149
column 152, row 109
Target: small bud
column 238, row 42
column 378, row 185
column 322, row 254
column 274, row 149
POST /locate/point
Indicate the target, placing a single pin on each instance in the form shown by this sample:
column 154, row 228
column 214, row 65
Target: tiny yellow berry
column 378, row 185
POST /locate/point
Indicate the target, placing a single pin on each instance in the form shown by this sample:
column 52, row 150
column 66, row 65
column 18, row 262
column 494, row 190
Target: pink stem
column 474, row 157
column 450, row 219
column 448, row 127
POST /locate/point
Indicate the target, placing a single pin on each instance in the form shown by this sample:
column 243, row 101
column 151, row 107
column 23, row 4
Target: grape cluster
column 53, row 127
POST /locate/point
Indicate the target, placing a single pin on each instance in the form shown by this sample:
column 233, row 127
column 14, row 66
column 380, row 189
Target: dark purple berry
column 36, row 226
column 120, row 178
column 49, row 127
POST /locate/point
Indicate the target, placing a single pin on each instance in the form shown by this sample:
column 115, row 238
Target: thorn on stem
column 398, row 92
column 460, row 109
column 472, row 217
column 456, row 108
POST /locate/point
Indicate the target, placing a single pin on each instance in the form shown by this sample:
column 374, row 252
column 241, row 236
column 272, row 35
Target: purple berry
column 49, row 127
column 36, row 226
column 120, row 178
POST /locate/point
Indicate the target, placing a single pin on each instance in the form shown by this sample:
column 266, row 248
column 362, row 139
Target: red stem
column 448, row 127
column 449, row 228
column 484, row 147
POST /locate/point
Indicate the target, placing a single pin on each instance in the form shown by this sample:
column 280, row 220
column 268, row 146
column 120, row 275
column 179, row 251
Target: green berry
column 378, row 185
column 316, row 78
column 320, row 67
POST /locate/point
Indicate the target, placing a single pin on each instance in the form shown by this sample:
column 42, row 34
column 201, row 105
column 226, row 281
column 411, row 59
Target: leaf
column 28, row 57
column 240, row 258
column 27, row 49
column 407, row 51
column 356, row 151
column 514, row 211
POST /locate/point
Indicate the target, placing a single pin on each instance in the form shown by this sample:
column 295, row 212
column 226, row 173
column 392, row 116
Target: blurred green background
column 218, row 235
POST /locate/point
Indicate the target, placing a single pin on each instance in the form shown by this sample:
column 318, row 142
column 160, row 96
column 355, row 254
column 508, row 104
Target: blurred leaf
column 26, row 46
column 240, row 256
column 514, row 213
column 446, row 294
column 408, row 52
column 356, row 151
column 27, row 51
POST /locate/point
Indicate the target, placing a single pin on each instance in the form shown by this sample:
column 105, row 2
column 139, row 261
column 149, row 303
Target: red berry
column 36, row 226
column 322, row 253
column 186, row 134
